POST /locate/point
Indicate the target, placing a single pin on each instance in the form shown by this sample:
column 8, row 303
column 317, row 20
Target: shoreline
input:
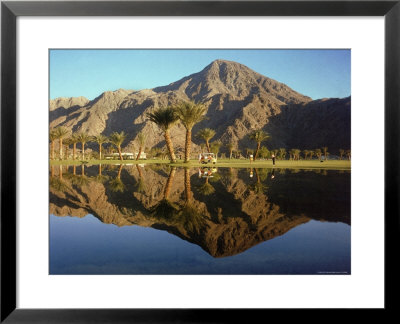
column 280, row 164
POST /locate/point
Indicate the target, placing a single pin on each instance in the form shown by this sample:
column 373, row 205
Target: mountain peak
column 228, row 78
column 225, row 65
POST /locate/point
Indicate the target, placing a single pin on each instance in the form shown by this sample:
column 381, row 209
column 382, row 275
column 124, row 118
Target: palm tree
column 311, row 154
column 206, row 134
column 52, row 137
column 117, row 139
column 165, row 118
column 101, row 139
column 248, row 151
column 291, row 154
column 141, row 137
column 325, row 149
column 297, row 154
column 68, row 141
column 348, row 154
column 83, row 138
column 215, row 146
column 318, row 152
column 74, row 140
column 282, row 153
column 230, row 147
column 306, row 153
column 341, row 152
column 190, row 114
column 258, row 136
column 60, row 133
column 264, row 152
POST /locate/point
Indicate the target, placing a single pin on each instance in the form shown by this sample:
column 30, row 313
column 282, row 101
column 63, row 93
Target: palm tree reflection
column 206, row 188
column 100, row 178
column 140, row 186
column 189, row 215
column 259, row 186
column 165, row 209
column 116, row 185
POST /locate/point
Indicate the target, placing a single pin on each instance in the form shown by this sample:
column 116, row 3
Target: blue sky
column 315, row 73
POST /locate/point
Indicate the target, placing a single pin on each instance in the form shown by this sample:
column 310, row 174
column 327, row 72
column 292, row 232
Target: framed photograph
column 180, row 155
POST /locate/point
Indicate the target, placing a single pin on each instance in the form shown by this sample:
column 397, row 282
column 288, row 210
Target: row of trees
column 62, row 135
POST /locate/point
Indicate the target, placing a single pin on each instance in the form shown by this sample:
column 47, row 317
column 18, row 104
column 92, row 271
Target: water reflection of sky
column 88, row 246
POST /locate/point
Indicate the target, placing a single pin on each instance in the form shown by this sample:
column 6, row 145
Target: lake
column 155, row 219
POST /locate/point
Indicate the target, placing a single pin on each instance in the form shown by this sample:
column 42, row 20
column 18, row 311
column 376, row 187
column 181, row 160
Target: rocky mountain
column 238, row 100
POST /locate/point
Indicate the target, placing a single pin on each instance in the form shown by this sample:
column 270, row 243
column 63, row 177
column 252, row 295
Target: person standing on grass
column 273, row 159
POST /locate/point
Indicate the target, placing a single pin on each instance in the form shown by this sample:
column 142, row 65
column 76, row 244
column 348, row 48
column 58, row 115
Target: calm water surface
column 161, row 220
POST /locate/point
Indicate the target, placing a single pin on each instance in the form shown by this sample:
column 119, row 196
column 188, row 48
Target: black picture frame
column 10, row 10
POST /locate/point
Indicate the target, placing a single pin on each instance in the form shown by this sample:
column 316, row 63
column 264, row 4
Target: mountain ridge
column 238, row 100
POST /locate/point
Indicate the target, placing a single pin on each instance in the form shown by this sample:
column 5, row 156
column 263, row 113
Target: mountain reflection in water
column 225, row 211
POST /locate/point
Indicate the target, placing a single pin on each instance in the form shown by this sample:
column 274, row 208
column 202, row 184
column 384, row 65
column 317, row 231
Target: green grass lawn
column 302, row 164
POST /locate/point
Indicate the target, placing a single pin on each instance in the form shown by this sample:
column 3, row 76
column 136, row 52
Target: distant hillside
column 238, row 99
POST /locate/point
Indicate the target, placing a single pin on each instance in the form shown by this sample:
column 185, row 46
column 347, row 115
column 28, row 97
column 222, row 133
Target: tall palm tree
column 297, row 154
column 60, row 133
column 165, row 118
column 248, row 151
column 318, row 152
column 52, row 137
column 83, row 138
column 348, row 154
column 325, row 149
column 189, row 113
column 230, row 147
column 141, row 138
column 258, row 136
column 311, row 154
column 263, row 152
column 291, row 154
column 206, row 134
column 215, row 146
column 68, row 141
column 74, row 140
column 117, row 139
column 101, row 139
column 282, row 153
column 341, row 152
